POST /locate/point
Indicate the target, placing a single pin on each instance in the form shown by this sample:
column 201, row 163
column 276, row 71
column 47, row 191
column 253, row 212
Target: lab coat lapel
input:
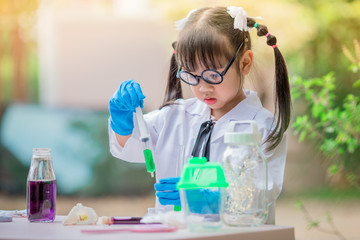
column 200, row 112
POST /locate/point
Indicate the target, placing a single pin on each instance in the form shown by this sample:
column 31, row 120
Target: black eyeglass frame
column 222, row 74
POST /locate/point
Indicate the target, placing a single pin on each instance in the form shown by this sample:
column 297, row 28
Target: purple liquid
column 41, row 198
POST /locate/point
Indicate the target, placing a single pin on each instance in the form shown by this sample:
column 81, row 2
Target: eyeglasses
column 210, row 76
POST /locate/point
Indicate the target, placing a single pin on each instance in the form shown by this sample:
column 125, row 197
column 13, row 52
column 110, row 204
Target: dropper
column 145, row 140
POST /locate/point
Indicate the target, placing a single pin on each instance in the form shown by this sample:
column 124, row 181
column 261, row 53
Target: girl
column 212, row 55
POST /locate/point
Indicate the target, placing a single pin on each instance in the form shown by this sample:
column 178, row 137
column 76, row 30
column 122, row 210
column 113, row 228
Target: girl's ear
column 246, row 62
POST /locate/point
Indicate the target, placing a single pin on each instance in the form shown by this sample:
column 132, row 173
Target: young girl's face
column 225, row 96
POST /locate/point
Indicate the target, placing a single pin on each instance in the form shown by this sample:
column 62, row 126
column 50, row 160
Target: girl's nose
column 204, row 86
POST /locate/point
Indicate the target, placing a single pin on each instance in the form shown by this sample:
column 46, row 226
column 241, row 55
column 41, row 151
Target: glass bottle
column 41, row 187
column 245, row 168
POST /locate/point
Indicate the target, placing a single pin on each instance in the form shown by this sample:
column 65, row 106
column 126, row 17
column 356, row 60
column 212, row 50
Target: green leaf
column 317, row 110
column 333, row 169
column 328, row 216
column 356, row 83
column 328, row 146
column 302, row 136
column 312, row 224
column 351, row 177
column 300, row 123
column 341, row 150
column 307, row 83
column 312, row 134
column 295, row 95
column 299, row 204
column 352, row 144
column 353, row 68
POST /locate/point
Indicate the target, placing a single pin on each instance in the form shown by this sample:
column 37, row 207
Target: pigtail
column 283, row 96
column 173, row 88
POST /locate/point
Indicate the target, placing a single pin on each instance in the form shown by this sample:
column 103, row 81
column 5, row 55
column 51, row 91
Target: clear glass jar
column 41, row 187
column 245, row 167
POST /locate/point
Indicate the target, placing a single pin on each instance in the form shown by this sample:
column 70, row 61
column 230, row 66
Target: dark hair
column 173, row 89
column 209, row 37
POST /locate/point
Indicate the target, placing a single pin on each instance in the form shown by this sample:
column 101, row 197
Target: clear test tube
column 179, row 166
column 145, row 139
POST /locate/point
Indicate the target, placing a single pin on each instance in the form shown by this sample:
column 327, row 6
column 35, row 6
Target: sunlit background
column 60, row 61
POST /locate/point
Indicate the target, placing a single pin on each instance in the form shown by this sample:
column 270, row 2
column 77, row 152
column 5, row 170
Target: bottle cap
column 248, row 133
column 41, row 151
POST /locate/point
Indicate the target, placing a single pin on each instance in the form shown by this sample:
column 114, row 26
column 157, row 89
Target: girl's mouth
column 210, row 101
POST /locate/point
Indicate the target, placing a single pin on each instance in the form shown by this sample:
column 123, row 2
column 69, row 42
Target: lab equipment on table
column 41, row 187
column 120, row 220
column 13, row 213
column 179, row 165
column 201, row 191
column 154, row 215
column 145, row 140
column 5, row 219
column 81, row 215
column 245, row 166
column 160, row 215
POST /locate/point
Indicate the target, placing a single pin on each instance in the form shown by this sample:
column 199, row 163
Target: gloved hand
column 166, row 191
column 122, row 105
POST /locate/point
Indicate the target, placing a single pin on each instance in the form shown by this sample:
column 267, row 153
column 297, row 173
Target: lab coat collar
column 244, row 110
column 196, row 107
column 199, row 108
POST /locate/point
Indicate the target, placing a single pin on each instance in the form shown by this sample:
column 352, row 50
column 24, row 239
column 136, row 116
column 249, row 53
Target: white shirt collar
column 244, row 110
column 247, row 108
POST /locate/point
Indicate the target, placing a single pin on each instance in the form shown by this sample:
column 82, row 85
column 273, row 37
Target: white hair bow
column 240, row 18
column 181, row 23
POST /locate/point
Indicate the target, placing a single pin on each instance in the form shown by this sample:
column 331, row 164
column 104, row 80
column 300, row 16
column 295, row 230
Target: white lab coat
column 178, row 125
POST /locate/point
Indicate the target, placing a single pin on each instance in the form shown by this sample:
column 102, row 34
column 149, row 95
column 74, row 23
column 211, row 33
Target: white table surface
column 21, row 228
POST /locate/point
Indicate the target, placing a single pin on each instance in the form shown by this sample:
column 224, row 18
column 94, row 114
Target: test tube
column 179, row 165
column 145, row 139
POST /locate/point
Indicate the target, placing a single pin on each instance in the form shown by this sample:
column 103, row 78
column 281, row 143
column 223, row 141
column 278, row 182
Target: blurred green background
column 46, row 102
column 61, row 60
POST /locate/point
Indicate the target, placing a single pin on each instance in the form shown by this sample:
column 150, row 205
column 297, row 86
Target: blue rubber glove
column 122, row 105
column 167, row 192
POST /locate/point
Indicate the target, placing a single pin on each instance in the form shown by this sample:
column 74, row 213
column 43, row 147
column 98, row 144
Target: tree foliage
column 330, row 120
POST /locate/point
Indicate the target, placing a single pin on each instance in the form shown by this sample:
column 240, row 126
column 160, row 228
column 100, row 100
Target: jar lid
column 247, row 134
column 42, row 150
column 198, row 173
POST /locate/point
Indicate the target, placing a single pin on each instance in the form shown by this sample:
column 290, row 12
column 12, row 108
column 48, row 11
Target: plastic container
column 41, row 187
column 201, row 189
column 245, row 169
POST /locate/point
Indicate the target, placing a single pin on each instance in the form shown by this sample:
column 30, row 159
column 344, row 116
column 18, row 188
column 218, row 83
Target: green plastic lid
column 198, row 173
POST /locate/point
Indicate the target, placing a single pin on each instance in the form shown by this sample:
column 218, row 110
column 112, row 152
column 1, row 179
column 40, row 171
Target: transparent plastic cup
column 201, row 192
